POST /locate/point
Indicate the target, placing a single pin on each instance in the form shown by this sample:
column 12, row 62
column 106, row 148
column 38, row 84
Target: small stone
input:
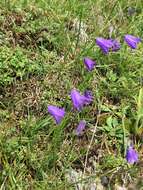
column 104, row 180
column 131, row 11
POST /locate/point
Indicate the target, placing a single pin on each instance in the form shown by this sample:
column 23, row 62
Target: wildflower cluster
column 80, row 100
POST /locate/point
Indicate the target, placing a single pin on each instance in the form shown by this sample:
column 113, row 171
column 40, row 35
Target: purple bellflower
column 57, row 113
column 80, row 128
column 132, row 41
column 89, row 97
column 79, row 100
column 107, row 44
column 116, row 45
column 89, row 63
column 131, row 155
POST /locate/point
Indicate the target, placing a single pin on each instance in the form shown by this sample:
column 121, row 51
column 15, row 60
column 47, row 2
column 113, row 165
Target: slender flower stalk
column 132, row 41
column 131, row 155
column 80, row 128
column 57, row 113
column 89, row 63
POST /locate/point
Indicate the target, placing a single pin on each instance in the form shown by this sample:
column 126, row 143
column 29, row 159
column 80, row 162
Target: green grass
column 41, row 60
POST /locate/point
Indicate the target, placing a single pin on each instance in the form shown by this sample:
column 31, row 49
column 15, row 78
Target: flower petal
column 132, row 41
column 107, row 44
column 89, row 63
column 57, row 113
column 131, row 155
column 77, row 99
column 89, row 97
column 116, row 45
column 80, row 127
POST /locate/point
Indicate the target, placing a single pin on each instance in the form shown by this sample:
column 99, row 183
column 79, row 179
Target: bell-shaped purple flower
column 116, row 45
column 80, row 128
column 89, row 96
column 57, row 113
column 79, row 100
column 107, row 44
column 89, row 63
column 131, row 155
column 132, row 41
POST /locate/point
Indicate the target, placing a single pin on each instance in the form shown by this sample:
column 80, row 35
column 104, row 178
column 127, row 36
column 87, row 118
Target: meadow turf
column 42, row 47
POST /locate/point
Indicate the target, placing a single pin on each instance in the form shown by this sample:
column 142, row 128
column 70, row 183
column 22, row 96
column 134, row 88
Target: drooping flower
column 131, row 155
column 116, row 45
column 89, row 96
column 132, row 41
column 57, row 113
column 89, row 63
column 80, row 128
column 104, row 44
column 107, row 44
column 79, row 100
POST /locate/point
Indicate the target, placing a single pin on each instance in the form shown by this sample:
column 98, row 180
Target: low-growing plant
column 16, row 65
